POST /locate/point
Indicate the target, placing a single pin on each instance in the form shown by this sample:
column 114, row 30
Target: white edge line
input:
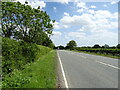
column 66, row 84
column 108, row 64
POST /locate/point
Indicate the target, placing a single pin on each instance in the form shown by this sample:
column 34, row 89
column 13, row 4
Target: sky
column 88, row 23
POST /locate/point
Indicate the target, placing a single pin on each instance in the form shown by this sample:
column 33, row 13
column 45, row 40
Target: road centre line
column 107, row 64
column 63, row 73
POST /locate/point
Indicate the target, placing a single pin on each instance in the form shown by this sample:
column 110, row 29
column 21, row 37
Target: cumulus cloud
column 113, row 2
column 66, row 14
column 77, row 34
column 81, row 5
column 100, row 37
column 76, row 20
column 80, row 10
column 93, row 7
column 61, row 1
column 91, row 11
column 97, row 23
column 101, row 18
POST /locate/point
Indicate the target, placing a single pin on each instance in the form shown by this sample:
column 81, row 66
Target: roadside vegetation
column 28, row 58
column 106, row 50
column 32, row 69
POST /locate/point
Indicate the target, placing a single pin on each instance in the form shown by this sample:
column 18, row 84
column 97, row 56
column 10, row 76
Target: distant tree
column 106, row 46
column 61, row 47
column 67, row 47
column 113, row 47
column 96, row 46
column 118, row 46
column 88, row 47
column 55, row 47
column 72, row 44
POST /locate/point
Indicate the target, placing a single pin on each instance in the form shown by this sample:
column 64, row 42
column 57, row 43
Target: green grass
column 106, row 55
column 40, row 74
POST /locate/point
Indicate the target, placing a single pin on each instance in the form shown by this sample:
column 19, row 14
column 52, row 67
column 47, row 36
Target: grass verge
column 116, row 57
column 40, row 74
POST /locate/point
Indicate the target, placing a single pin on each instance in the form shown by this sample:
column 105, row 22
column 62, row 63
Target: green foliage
column 39, row 74
column 96, row 46
column 71, row 45
column 16, row 54
column 112, row 52
column 15, row 80
column 118, row 46
column 61, row 47
column 22, row 22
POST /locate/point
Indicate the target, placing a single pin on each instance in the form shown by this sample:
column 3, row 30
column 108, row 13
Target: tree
column 71, row 45
column 96, row 46
column 22, row 22
column 105, row 46
column 118, row 46
column 61, row 47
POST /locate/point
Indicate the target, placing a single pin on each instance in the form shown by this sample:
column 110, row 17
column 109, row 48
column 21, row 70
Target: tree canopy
column 22, row 22
column 96, row 46
column 118, row 46
column 71, row 45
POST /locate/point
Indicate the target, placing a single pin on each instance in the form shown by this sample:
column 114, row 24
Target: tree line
column 73, row 45
column 22, row 22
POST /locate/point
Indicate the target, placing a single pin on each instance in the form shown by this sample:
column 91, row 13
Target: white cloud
column 77, row 34
column 101, row 18
column 56, row 25
column 113, row 2
column 54, row 8
column 81, row 5
column 66, row 14
column 80, row 10
column 37, row 3
column 61, row 1
column 57, row 33
column 100, row 37
column 103, row 14
column 97, row 23
column 91, row 11
column 105, row 5
column 76, row 20
column 93, row 7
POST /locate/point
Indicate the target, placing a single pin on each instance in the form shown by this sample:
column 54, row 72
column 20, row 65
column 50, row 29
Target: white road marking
column 82, row 56
column 66, row 84
column 108, row 65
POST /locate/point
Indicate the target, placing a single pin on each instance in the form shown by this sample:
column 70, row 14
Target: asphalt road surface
column 89, row 71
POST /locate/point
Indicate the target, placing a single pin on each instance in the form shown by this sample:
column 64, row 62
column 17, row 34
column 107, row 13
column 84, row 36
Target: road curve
column 89, row 71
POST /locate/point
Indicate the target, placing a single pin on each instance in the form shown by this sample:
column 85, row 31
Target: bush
column 16, row 54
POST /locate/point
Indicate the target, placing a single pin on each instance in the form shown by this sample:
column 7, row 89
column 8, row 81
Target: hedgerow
column 16, row 54
column 112, row 52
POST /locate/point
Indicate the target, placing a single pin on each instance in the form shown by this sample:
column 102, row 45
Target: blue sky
column 105, row 35
column 87, row 23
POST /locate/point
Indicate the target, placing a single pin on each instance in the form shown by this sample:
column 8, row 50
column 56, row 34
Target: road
column 89, row 71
